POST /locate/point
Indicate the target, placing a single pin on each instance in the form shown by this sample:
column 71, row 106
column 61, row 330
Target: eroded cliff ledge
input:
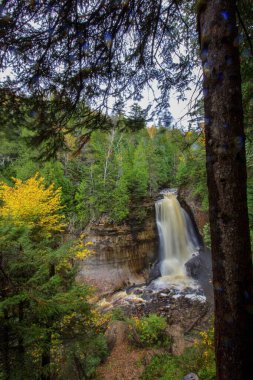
column 123, row 253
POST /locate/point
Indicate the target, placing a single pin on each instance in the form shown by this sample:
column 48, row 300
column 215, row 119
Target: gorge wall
column 192, row 205
column 123, row 253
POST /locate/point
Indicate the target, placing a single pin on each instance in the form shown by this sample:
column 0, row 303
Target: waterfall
column 178, row 240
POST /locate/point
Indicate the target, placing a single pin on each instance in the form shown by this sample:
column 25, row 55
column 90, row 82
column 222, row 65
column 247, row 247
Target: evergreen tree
column 39, row 293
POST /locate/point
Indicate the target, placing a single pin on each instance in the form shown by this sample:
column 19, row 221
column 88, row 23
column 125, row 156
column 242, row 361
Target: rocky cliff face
column 123, row 253
column 198, row 267
column 192, row 205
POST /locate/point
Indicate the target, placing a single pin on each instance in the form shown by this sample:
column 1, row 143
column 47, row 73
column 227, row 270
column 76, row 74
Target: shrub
column 205, row 350
column 118, row 314
column 81, row 358
column 206, row 234
column 198, row 359
column 149, row 331
column 163, row 367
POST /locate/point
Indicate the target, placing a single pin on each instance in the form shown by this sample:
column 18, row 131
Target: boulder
column 116, row 333
column 154, row 271
column 193, row 267
column 199, row 267
column 191, row 376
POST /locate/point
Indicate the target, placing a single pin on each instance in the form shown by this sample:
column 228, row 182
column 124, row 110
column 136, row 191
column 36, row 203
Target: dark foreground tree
column 226, row 174
column 75, row 50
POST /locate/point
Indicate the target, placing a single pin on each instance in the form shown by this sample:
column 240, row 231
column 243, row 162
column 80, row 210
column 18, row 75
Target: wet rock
column 180, row 305
column 134, row 300
column 193, row 267
column 138, row 291
column 154, row 271
column 200, row 268
column 147, row 297
column 163, row 295
column 193, row 207
column 197, row 297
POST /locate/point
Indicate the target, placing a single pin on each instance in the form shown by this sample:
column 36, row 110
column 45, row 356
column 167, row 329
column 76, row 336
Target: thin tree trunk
column 4, row 329
column 226, row 177
column 21, row 349
column 109, row 152
column 6, row 348
column 46, row 357
column 45, row 363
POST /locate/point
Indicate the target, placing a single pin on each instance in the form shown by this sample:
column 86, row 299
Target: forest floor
column 125, row 361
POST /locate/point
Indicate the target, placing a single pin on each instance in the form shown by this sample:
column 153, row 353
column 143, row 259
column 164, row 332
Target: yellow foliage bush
column 29, row 203
column 204, row 355
column 81, row 249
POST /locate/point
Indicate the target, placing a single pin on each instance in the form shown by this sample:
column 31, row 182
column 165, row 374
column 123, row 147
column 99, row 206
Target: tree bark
column 226, row 179
column 46, row 358
column 6, row 348
column 21, row 348
column 45, row 363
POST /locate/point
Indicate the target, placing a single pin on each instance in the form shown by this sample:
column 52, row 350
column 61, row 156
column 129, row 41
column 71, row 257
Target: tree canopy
column 97, row 53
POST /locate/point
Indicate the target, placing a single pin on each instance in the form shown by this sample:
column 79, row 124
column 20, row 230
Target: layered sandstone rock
column 123, row 253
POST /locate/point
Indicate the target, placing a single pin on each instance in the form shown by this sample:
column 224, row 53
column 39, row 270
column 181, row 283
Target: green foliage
column 163, row 367
column 38, row 297
column 208, row 373
column 82, row 357
column 118, row 314
column 120, row 201
column 39, row 290
column 202, row 355
column 121, row 170
column 191, row 169
column 206, row 235
column 149, row 331
column 198, row 359
column 113, row 175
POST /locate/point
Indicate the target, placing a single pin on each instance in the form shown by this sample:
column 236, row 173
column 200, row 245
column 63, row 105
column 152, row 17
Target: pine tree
column 39, row 293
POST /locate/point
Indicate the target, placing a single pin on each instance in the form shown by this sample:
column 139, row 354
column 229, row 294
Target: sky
column 179, row 109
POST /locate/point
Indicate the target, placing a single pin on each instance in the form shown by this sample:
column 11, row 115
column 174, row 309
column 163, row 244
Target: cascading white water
column 178, row 240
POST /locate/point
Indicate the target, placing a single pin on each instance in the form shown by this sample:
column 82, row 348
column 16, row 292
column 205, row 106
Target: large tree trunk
column 226, row 176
